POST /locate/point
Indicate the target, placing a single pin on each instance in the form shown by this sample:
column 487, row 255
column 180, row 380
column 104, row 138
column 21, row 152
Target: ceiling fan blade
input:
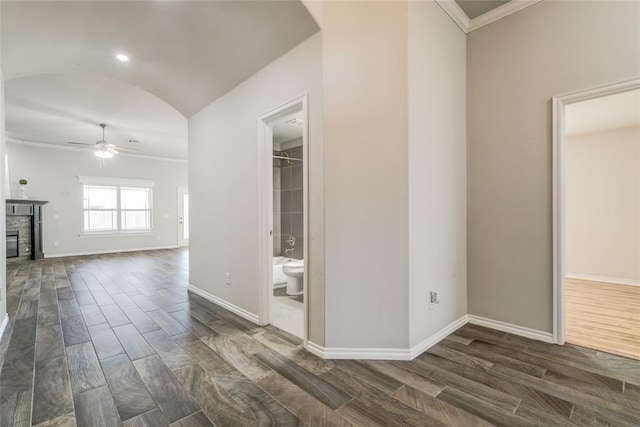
column 86, row 144
column 112, row 150
column 128, row 150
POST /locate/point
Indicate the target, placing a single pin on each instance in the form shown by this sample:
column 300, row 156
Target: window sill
column 116, row 233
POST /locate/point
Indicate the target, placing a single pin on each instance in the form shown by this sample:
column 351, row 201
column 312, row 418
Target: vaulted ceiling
column 61, row 107
column 184, row 53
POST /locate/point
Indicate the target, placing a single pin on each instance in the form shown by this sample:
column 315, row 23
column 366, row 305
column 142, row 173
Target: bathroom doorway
column 597, row 218
column 283, row 134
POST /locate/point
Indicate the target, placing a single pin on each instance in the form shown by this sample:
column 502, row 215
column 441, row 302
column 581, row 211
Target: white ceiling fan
column 103, row 149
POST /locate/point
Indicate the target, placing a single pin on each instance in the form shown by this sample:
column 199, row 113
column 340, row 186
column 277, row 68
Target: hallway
column 111, row 340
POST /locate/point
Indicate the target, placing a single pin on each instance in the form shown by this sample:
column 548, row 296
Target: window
column 135, row 208
column 116, row 207
column 100, row 208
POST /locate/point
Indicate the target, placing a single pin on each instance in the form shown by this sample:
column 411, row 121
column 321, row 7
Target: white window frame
column 118, row 183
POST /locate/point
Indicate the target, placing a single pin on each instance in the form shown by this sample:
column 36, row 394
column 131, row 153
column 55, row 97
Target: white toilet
column 294, row 271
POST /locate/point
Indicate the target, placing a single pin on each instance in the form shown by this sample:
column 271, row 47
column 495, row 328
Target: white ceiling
column 62, row 78
column 187, row 53
column 609, row 112
column 56, row 108
column 475, row 8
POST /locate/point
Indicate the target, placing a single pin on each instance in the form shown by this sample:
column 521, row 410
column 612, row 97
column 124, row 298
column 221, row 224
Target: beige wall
column 437, row 169
column 223, row 178
column 366, row 161
column 514, row 67
column 603, row 204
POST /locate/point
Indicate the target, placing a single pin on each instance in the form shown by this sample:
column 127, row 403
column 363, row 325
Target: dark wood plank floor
column 117, row 340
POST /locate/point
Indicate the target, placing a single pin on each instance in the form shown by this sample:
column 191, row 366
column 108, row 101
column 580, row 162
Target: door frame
column 265, row 203
column 558, row 164
column 181, row 191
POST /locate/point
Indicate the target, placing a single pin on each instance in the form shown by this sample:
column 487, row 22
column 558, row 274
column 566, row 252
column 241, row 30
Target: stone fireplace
column 24, row 218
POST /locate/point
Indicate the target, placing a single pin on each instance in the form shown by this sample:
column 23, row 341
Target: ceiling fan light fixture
column 103, row 154
column 103, row 149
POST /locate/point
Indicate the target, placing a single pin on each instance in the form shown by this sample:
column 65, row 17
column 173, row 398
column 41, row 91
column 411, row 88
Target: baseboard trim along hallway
column 510, row 328
column 226, row 304
column 109, row 251
column 386, row 353
column 418, row 349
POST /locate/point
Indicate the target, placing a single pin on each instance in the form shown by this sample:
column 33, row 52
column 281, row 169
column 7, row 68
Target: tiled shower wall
column 287, row 204
column 21, row 224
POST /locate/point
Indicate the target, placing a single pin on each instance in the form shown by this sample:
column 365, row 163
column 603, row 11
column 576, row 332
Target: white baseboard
column 316, row 349
column 418, row 349
column 5, row 322
column 385, row 353
column 534, row 334
column 614, row 280
column 434, row 339
column 226, row 304
column 108, row 251
column 359, row 353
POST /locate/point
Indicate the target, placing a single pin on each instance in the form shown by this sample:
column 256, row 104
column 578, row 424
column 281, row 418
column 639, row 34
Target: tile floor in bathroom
column 288, row 312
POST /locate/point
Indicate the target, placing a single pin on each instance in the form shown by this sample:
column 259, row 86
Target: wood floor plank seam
column 537, row 399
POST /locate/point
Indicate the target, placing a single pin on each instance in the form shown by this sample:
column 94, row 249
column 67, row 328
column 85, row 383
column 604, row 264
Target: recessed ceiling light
column 122, row 57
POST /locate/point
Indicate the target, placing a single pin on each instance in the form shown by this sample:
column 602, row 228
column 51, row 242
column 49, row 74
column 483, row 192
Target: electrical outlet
column 228, row 279
column 434, row 298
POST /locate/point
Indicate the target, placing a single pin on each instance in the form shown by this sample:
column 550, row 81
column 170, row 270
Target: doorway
column 284, row 238
column 597, row 219
column 183, row 216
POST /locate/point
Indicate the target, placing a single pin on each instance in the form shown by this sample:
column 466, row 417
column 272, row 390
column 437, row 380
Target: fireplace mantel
column 27, row 201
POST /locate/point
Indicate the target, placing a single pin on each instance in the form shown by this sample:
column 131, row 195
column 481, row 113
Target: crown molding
column 64, row 147
column 468, row 25
column 456, row 13
column 500, row 12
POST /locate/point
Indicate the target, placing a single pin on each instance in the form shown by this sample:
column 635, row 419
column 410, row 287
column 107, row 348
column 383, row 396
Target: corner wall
column 391, row 190
column 366, row 160
column 437, row 170
column 514, row 67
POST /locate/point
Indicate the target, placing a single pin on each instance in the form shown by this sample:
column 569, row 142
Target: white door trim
column 181, row 241
column 265, row 202
column 558, row 136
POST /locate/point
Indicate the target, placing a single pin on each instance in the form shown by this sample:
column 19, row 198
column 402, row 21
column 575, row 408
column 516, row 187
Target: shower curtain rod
column 286, row 158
